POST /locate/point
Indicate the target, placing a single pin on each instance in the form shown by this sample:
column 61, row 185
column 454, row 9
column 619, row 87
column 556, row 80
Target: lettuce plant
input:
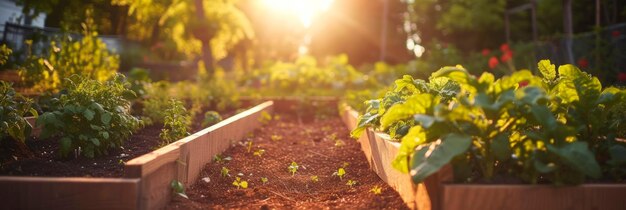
column 538, row 129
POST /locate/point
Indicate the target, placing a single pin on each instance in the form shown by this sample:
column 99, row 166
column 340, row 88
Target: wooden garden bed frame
column 146, row 184
column 437, row 192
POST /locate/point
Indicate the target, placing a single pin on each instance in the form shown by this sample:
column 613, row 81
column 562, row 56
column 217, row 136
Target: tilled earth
column 319, row 146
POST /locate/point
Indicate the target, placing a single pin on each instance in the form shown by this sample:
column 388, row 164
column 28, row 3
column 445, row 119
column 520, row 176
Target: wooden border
column 434, row 193
column 146, row 182
column 68, row 193
column 184, row 159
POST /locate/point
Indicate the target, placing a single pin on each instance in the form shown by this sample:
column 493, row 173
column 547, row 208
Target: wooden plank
column 604, row 196
column 156, row 191
column 217, row 138
column 148, row 163
column 68, row 193
column 511, row 197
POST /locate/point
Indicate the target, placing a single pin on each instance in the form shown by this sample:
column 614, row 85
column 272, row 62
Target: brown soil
column 310, row 143
column 44, row 161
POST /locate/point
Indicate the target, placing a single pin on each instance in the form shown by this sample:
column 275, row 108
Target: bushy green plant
column 13, row 108
column 176, row 122
column 537, row 129
column 88, row 57
column 92, row 117
column 5, row 52
column 210, row 118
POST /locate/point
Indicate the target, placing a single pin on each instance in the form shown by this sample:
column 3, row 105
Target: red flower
column 493, row 62
column 583, row 63
column 505, row 47
column 615, row 34
column 486, row 52
column 523, row 84
column 621, row 77
column 506, row 57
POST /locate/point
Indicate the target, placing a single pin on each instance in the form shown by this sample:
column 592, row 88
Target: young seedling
column 249, row 146
column 265, row 117
column 219, row 159
column 339, row 143
column 264, row 180
column 340, row 173
column 225, row 172
column 377, row 190
column 351, row 183
column 178, row 189
column 315, row 179
column 259, row 152
column 276, row 137
column 293, row 168
column 240, row 183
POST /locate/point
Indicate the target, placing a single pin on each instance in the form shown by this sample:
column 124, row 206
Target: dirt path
column 319, row 147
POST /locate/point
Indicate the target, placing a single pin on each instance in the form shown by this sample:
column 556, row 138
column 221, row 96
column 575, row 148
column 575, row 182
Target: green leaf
column 95, row 141
column 618, row 155
column 416, row 104
column 89, row 114
column 500, row 146
column 105, row 118
column 105, row 134
column 578, row 156
column 364, row 121
column 429, row 158
column 542, row 167
column 547, row 69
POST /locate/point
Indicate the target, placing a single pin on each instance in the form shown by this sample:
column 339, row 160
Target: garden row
column 461, row 142
column 149, row 180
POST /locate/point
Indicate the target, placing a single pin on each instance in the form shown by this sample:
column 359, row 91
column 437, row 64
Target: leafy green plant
column 92, row 117
column 219, row 159
column 176, row 122
column 5, row 52
column 521, row 125
column 178, row 188
column 293, row 168
column 211, row 118
column 264, row 180
column 13, row 108
column 225, row 172
column 239, row 183
column 315, row 179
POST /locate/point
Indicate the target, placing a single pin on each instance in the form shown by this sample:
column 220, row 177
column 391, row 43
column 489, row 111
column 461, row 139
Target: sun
column 305, row 10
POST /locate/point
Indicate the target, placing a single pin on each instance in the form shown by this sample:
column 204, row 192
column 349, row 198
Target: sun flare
column 305, row 10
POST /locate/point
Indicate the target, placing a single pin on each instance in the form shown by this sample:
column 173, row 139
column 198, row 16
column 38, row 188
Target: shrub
column 88, row 57
column 92, row 117
column 13, row 107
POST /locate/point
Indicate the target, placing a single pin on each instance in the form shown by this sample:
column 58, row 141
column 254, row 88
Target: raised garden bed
column 318, row 143
column 146, row 183
column 438, row 191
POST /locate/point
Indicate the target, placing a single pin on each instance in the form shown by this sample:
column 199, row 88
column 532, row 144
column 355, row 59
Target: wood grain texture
column 68, row 193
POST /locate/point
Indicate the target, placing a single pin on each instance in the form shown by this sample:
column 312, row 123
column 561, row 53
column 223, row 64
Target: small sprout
column 178, row 188
column 219, row 159
column 225, row 172
column 351, row 183
column 240, row 183
column 259, row 152
column 265, row 117
column 315, row 179
column 276, row 138
column 121, row 162
column 377, row 190
column 264, row 180
column 339, row 143
column 249, row 146
column 340, row 173
column 332, row 136
column 293, row 168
